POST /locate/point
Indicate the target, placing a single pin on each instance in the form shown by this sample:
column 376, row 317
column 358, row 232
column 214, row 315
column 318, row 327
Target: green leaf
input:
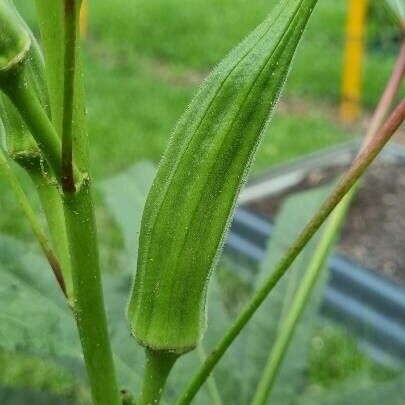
column 262, row 331
column 47, row 321
column 361, row 393
column 229, row 372
column 125, row 195
column 36, row 320
column 128, row 357
column 18, row 396
column 30, row 301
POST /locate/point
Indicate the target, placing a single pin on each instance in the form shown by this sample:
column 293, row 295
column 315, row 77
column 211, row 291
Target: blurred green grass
column 336, row 356
column 134, row 124
column 197, row 34
column 144, row 60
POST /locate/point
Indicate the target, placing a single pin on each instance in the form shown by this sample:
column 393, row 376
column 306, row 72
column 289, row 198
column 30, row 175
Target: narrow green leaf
column 192, row 199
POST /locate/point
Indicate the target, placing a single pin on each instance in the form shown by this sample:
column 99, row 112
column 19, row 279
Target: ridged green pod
column 15, row 41
column 191, row 201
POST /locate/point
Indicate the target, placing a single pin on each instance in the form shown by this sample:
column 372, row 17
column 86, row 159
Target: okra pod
column 191, row 201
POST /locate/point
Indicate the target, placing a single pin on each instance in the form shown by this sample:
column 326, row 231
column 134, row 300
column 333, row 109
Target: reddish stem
column 388, row 95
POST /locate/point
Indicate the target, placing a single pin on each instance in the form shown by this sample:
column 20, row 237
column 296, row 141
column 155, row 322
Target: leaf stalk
column 158, row 366
column 89, row 302
column 32, row 219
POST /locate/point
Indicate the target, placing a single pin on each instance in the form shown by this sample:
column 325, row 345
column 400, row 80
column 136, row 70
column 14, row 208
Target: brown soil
column 374, row 232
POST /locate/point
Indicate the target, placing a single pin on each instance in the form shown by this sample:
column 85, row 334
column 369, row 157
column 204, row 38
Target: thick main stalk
column 89, row 302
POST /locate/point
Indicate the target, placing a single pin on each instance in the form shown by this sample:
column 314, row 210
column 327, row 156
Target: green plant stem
column 72, row 8
column 358, row 167
column 89, row 303
column 24, row 99
column 300, row 299
column 283, row 339
column 51, row 17
column 52, row 206
column 32, row 219
column 211, row 383
column 158, row 366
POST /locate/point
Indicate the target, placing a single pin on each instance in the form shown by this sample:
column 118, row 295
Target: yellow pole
column 84, row 16
column 353, row 60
